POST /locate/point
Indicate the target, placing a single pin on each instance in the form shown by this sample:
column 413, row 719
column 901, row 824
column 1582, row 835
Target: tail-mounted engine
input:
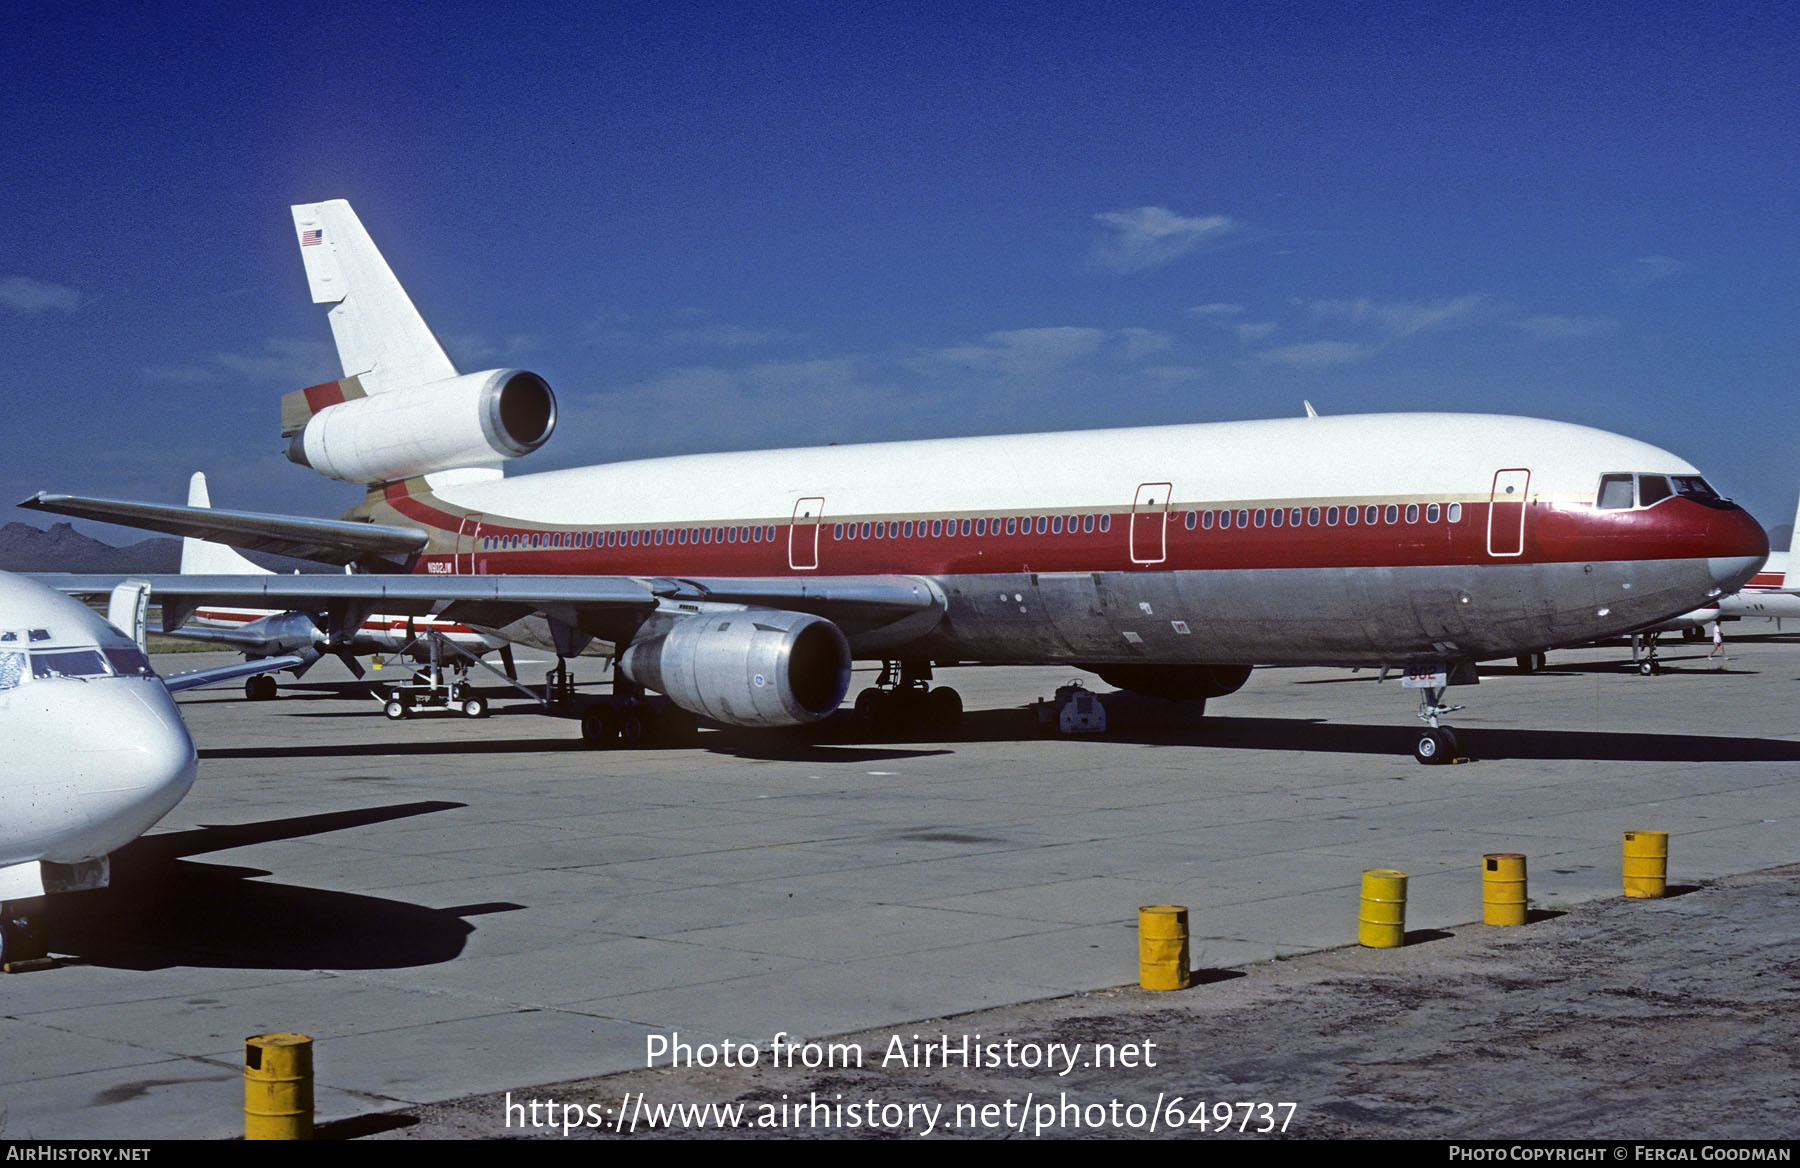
column 475, row 420
column 751, row 667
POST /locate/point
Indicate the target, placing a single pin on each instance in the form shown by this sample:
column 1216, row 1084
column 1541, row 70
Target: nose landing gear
column 1437, row 743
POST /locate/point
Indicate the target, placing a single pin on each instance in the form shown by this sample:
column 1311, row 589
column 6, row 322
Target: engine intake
column 476, row 420
column 757, row 667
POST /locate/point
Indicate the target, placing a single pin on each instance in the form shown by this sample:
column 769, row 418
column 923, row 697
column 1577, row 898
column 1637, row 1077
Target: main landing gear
column 1643, row 654
column 629, row 720
column 904, row 698
column 260, row 688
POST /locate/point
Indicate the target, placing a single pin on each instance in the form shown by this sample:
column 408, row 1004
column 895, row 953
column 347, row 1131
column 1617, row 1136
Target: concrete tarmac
column 456, row 907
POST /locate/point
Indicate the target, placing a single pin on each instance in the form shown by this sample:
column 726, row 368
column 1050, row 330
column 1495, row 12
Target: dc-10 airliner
column 1169, row 560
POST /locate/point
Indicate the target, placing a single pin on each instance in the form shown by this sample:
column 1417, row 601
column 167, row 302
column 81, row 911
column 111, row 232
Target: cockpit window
column 1615, row 492
column 128, row 662
column 68, row 663
column 1694, row 487
column 12, row 669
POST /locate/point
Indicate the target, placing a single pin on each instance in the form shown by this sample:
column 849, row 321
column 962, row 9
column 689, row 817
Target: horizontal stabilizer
column 331, row 541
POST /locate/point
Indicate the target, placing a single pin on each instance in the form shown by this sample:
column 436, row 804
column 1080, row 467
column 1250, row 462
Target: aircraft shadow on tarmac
column 1133, row 720
column 1146, row 722
column 163, row 910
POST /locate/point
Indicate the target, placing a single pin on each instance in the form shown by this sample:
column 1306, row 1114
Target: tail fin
column 201, row 557
column 381, row 338
column 1790, row 579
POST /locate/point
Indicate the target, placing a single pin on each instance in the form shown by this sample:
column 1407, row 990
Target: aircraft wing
column 331, row 541
column 609, row 607
column 195, row 678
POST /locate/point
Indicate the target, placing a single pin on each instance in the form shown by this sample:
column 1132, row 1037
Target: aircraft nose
column 1736, row 547
column 140, row 763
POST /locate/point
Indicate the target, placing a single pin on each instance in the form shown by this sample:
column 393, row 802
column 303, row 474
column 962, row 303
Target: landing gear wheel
column 475, row 707
column 1435, row 746
column 260, row 688
column 869, row 703
column 1648, row 668
column 599, row 727
column 395, row 709
column 633, row 729
column 946, row 707
column 1527, row 662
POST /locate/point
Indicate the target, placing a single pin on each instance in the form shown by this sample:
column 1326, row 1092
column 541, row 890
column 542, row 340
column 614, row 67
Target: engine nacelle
column 756, row 667
column 476, row 420
column 1175, row 683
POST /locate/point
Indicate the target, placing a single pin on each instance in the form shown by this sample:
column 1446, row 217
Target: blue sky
column 727, row 226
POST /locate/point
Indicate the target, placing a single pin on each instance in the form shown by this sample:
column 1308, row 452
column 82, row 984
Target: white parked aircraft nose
column 133, row 764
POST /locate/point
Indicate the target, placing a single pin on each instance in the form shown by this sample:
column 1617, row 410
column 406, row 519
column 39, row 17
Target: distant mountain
column 24, row 548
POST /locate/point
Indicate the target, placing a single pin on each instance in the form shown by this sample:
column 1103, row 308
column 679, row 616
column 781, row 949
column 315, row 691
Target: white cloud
column 24, row 294
column 1024, row 352
column 1647, row 270
column 1174, row 374
column 1140, row 343
column 284, row 361
column 1251, row 333
column 724, row 336
column 1402, row 318
column 1552, row 328
column 182, row 374
column 1217, row 311
column 1314, row 355
column 1148, row 237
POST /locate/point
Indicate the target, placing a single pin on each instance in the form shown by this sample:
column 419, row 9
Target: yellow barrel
column 1646, row 863
column 278, row 1087
column 1503, row 888
column 1163, row 947
column 1382, row 924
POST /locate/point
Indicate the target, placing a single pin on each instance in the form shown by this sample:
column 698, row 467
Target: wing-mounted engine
column 744, row 667
column 1176, row 683
column 475, row 420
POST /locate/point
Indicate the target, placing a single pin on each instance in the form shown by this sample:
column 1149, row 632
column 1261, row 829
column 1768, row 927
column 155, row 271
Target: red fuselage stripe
column 1675, row 528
